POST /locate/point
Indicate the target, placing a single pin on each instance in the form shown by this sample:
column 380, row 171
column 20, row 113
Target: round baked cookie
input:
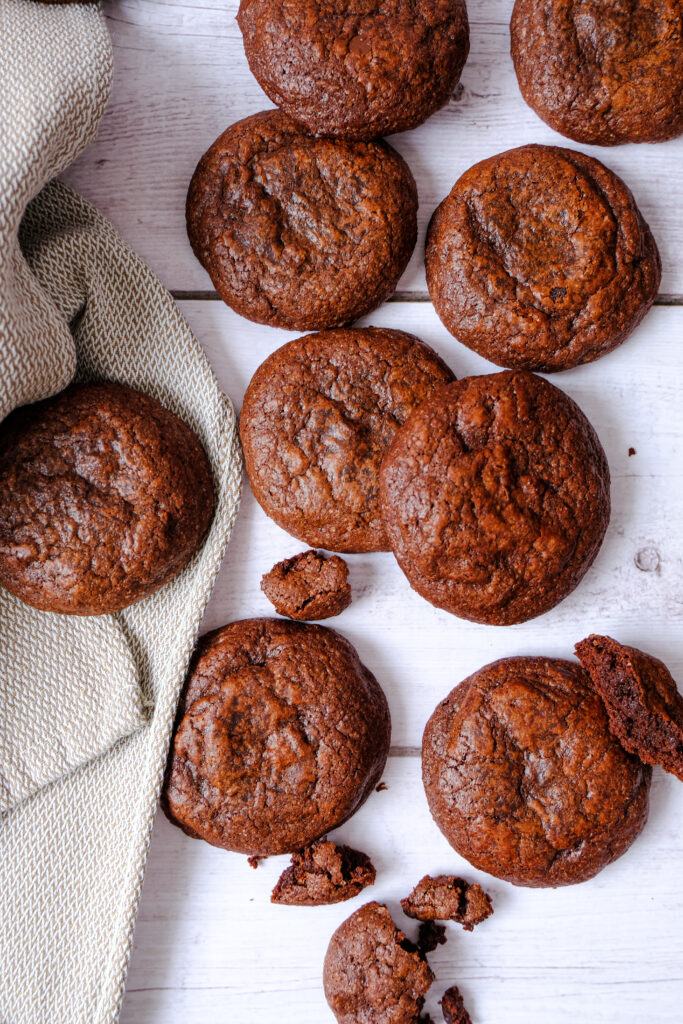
column 524, row 777
column 495, row 497
column 539, row 259
column 282, row 735
column 642, row 700
column 602, row 72
column 317, row 418
column 359, row 69
column 372, row 973
column 105, row 496
column 300, row 232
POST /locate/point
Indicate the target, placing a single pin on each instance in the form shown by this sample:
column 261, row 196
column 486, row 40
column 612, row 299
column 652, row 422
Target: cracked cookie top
column 282, row 735
column 104, row 497
column 539, row 259
column 356, row 69
column 317, row 418
column 300, row 232
column 524, row 777
column 602, row 72
column 495, row 497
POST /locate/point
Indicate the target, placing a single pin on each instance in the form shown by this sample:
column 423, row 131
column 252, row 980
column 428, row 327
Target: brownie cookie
column 356, row 70
column 453, row 1007
column 301, row 232
column 447, row 898
column 324, row 873
column 524, row 777
column 308, row 586
column 642, row 700
column 602, row 72
column 372, row 973
column 317, row 419
column 539, row 259
column 495, row 497
column 104, row 497
column 282, row 735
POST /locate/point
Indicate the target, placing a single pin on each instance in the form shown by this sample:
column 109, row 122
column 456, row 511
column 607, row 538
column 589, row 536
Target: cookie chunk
column 308, row 586
column 282, row 735
column 495, row 497
column 539, row 259
column 642, row 700
column 603, row 72
column 453, row 1007
column 301, row 232
column 356, row 71
column 372, row 973
column 448, row 898
column 316, row 422
column 324, row 873
column 430, row 935
column 104, row 497
column 524, row 777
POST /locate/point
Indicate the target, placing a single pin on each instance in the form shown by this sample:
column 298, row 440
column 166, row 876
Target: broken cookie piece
column 308, row 586
column 323, row 873
column 448, row 898
column 430, row 935
column 641, row 698
column 373, row 973
column 453, row 1008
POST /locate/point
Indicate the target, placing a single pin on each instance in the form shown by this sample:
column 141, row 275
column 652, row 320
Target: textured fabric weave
column 86, row 705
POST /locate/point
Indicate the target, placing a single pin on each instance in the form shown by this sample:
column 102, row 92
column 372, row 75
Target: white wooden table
column 209, row 947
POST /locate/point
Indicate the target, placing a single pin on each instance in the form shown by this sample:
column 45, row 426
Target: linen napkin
column 86, row 705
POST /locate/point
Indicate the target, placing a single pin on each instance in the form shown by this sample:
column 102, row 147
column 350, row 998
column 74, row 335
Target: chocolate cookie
column 448, row 898
column 301, row 232
column 372, row 973
column 282, row 735
column 317, row 419
column 641, row 698
column 453, row 1007
column 539, row 259
column 104, row 497
column 323, row 873
column 495, row 497
column 359, row 70
column 308, row 586
column 524, row 777
column 602, row 72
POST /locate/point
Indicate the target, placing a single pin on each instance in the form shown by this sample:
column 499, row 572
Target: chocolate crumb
column 453, row 1008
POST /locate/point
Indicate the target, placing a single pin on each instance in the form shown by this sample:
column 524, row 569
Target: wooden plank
column 181, row 78
column 209, row 947
column 419, row 652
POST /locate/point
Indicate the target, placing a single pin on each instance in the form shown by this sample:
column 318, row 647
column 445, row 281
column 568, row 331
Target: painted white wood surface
column 181, row 78
column 209, row 947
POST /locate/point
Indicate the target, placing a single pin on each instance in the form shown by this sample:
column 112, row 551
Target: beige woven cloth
column 86, row 705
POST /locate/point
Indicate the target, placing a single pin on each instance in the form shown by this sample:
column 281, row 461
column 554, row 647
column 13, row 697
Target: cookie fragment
column 453, row 1007
column 430, row 935
column 372, row 973
column 308, row 586
column 644, row 704
column 323, row 873
column 448, row 898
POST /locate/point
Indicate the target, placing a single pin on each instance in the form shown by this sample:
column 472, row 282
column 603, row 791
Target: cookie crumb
column 453, row 1008
column 308, row 586
column 632, row 451
column 448, row 898
column 323, row 873
column 382, row 786
column 430, row 936
column 254, row 862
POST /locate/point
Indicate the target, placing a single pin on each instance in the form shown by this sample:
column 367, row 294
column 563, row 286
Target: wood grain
column 181, row 78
